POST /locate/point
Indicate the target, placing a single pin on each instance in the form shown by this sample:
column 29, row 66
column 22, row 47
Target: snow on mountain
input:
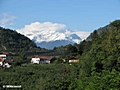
column 49, row 35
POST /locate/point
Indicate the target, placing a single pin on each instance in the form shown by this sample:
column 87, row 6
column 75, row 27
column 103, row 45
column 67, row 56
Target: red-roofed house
column 4, row 62
column 41, row 59
column 45, row 59
column 35, row 59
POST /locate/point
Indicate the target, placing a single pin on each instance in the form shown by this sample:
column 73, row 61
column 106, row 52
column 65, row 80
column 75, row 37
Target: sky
column 77, row 15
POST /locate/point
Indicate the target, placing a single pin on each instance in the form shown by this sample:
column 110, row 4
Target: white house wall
column 6, row 65
column 48, row 62
column 1, row 63
column 35, row 60
column 3, row 56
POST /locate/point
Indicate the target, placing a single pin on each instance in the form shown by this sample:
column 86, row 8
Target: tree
column 71, row 48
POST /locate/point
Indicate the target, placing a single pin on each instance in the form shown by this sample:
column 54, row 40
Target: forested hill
column 101, row 29
column 100, row 60
column 12, row 41
column 98, row 67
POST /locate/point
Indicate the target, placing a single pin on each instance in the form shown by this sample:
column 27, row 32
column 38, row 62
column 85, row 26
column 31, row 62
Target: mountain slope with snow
column 50, row 40
column 49, row 35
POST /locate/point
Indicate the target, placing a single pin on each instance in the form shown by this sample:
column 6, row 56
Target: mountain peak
column 48, row 32
column 51, row 37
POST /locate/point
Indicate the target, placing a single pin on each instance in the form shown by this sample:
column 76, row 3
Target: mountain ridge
column 50, row 39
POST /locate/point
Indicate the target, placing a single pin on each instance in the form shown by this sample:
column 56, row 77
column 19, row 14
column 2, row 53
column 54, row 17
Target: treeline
column 37, row 77
column 11, row 41
column 100, row 60
column 98, row 67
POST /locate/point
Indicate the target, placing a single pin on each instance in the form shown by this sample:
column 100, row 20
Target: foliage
column 12, row 41
column 37, row 77
column 98, row 67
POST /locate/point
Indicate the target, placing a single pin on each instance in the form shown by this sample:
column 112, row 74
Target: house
column 41, row 59
column 1, row 61
column 45, row 59
column 7, row 63
column 35, row 59
column 73, row 60
column 4, row 62
column 6, row 55
column 3, row 56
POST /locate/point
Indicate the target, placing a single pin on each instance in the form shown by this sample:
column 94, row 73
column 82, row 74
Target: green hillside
column 100, row 60
column 98, row 67
column 12, row 41
column 102, row 29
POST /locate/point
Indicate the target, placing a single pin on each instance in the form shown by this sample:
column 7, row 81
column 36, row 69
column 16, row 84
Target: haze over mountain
column 49, row 35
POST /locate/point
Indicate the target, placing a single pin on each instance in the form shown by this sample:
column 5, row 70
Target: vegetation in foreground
column 98, row 68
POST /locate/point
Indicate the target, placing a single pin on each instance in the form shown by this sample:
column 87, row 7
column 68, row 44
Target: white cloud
column 49, row 28
column 7, row 19
column 37, row 26
column 83, row 34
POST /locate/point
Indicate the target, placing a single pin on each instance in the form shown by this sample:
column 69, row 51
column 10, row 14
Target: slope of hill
column 12, row 41
column 105, row 28
column 100, row 61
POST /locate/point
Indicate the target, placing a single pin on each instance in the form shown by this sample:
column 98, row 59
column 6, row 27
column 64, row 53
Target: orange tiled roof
column 7, row 53
column 43, row 57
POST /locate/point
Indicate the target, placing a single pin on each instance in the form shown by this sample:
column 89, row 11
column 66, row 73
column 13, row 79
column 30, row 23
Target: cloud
column 37, row 26
column 7, row 20
column 50, row 28
column 82, row 34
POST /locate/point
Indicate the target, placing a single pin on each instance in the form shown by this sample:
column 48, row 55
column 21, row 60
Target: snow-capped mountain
column 50, row 40
column 48, row 35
